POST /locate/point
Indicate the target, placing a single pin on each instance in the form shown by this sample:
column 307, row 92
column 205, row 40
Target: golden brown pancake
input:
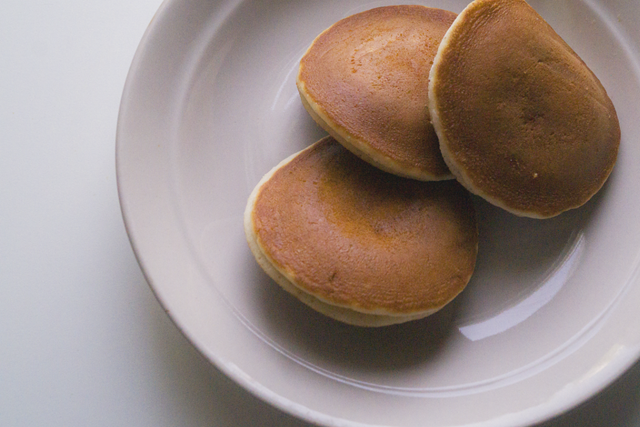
column 364, row 80
column 358, row 244
column 521, row 119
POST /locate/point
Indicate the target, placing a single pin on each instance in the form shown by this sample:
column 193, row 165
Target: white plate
column 549, row 319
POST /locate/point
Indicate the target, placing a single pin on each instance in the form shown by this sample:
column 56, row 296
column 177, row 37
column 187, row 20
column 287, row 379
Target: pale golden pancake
column 521, row 119
column 364, row 80
column 358, row 244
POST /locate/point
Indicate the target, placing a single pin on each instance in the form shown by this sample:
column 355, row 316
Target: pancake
column 357, row 244
column 364, row 80
column 522, row 121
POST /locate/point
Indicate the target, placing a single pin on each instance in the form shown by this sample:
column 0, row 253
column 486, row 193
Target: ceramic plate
column 549, row 318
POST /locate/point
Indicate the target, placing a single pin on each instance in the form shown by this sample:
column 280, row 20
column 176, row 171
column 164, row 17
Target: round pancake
column 522, row 121
column 364, row 80
column 358, row 244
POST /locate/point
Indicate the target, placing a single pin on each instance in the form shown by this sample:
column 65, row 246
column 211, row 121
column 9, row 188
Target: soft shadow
column 192, row 391
column 616, row 406
column 518, row 255
column 314, row 336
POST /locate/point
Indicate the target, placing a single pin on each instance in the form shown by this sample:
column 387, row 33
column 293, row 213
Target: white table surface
column 83, row 342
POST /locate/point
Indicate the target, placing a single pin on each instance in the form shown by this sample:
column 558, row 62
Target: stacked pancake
column 367, row 226
column 522, row 121
column 359, row 244
column 364, row 80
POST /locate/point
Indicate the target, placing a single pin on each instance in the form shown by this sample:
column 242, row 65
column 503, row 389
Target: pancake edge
column 282, row 278
column 457, row 171
column 356, row 145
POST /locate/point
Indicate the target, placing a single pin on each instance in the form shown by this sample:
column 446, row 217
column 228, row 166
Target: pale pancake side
column 364, row 80
column 331, row 233
column 521, row 119
column 340, row 313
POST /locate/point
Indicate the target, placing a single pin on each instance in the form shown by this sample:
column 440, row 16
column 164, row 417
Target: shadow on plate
column 306, row 332
column 517, row 257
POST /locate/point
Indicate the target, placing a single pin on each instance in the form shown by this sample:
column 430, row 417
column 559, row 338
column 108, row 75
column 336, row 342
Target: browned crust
column 354, row 236
column 522, row 121
column 365, row 80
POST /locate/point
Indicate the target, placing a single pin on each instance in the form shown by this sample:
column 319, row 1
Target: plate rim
column 553, row 410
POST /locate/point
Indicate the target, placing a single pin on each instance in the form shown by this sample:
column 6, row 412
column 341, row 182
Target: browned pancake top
column 522, row 116
column 353, row 235
column 369, row 74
